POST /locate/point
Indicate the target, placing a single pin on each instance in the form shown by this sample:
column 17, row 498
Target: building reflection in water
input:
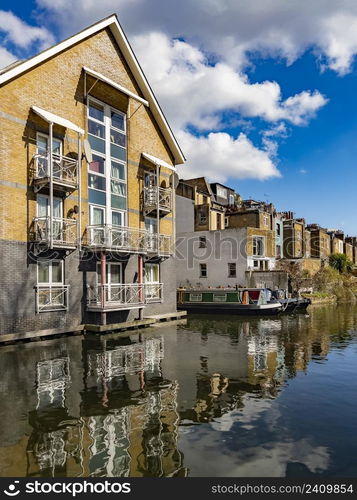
column 128, row 422
column 125, row 406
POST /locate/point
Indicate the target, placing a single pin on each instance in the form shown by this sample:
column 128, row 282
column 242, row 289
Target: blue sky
column 268, row 88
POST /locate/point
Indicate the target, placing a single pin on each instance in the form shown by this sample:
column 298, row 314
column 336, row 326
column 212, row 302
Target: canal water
column 220, row 396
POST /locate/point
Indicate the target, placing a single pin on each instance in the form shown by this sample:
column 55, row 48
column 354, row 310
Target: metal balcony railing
column 64, row 231
column 153, row 292
column 155, row 196
column 122, row 295
column 127, row 239
column 51, row 298
column 64, row 169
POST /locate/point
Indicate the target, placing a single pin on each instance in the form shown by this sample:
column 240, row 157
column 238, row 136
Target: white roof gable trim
column 113, row 24
column 157, row 161
column 52, row 118
column 110, row 82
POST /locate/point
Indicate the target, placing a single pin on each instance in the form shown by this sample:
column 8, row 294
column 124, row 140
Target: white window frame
column 262, row 238
column 108, row 271
column 48, row 205
column 153, row 298
column 108, row 158
column 226, row 221
column 50, row 282
column 222, row 192
column 92, row 206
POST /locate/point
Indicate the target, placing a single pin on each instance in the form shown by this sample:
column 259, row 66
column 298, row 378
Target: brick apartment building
column 87, row 183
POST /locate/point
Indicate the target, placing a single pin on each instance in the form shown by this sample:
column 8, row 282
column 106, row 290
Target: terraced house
column 87, row 183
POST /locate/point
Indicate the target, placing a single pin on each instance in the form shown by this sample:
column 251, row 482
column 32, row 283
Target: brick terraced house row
column 87, row 185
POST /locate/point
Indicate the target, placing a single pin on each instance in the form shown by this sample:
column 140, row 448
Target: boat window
column 195, row 297
column 221, row 297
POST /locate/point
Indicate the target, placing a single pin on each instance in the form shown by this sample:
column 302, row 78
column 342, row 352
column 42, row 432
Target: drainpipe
column 140, row 282
column 50, row 157
column 79, row 167
column 158, row 206
column 103, row 267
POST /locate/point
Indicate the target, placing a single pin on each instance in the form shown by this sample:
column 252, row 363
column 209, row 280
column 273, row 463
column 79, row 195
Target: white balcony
column 156, row 197
column 63, row 232
column 51, row 298
column 128, row 240
column 122, row 296
column 64, row 172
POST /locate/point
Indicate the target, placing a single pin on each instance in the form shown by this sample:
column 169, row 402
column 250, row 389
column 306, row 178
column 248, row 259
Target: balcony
column 127, row 240
column 64, row 172
column 159, row 244
column 51, row 298
column 122, row 296
column 63, row 231
column 155, row 197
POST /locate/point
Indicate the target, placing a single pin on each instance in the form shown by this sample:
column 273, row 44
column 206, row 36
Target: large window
column 107, row 172
column 51, row 293
column 221, row 192
column 50, row 273
column 258, row 246
column 152, row 282
column 42, row 146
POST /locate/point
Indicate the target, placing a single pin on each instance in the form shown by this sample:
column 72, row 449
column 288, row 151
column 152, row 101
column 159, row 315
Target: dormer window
column 221, row 192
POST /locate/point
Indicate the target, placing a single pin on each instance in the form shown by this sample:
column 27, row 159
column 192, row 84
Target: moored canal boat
column 244, row 301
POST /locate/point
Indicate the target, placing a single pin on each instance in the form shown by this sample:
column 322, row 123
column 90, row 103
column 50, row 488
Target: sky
column 260, row 94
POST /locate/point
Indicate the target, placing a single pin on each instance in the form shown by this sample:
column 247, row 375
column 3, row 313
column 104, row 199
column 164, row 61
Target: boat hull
column 232, row 308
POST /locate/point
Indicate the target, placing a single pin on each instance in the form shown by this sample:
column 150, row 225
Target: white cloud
column 179, row 72
column 6, row 57
column 219, row 157
column 232, row 28
column 21, row 34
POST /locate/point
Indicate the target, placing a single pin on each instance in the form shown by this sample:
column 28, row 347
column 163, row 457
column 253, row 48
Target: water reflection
column 248, row 395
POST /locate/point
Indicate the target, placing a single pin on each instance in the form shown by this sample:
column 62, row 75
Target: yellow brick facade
column 57, row 86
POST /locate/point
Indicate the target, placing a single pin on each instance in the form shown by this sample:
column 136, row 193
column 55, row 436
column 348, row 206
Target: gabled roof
column 111, row 22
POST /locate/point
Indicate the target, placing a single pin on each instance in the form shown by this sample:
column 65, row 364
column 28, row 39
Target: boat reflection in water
column 259, row 396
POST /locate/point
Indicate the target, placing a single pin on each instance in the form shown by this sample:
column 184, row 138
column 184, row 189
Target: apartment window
column 278, row 251
column 152, row 282
column 258, row 246
column 278, row 230
column 51, row 294
column 203, row 242
column 298, row 235
column 231, row 199
column 226, row 221
column 203, row 219
column 107, row 172
column 203, row 270
column 50, row 273
column 232, row 270
column 42, row 146
column 221, row 192
column 151, row 227
column 265, row 221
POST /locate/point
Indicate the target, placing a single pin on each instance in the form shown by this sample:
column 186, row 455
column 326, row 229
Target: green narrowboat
column 245, row 301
